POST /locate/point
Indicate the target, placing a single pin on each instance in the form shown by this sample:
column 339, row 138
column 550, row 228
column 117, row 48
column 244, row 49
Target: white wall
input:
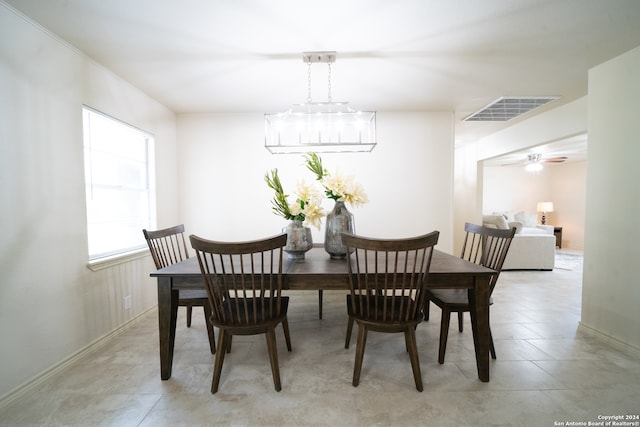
column 408, row 177
column 611, row 289
column 568, row 192
column 514, row 189
column 51, row 305
column 468, row 184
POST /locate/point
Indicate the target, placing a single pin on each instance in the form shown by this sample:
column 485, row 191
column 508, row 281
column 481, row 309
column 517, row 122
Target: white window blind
column 118, row 161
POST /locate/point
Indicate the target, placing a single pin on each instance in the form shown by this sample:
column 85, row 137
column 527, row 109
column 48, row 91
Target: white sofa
column 533, row 246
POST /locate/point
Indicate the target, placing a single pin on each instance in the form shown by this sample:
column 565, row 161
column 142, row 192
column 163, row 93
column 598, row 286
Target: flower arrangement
column 306, row 206
column 338, row 187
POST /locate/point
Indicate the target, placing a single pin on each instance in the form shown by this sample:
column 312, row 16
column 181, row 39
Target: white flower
column 338, row 184
column 306, row 206
column 337, row 187
column 356, row 195
column 344, row 189
column 295, row 208
column 308, row 193
column 313, row 214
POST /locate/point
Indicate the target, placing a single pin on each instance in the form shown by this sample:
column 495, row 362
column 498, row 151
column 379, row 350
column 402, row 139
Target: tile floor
column 547, row 372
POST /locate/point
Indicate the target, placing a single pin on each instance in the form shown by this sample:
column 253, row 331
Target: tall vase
column 337, row 221
column 298, row 240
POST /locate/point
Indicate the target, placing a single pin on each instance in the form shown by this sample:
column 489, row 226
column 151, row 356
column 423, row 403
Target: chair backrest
column 243, row 279
column 390, row 274
column 168, row 246
column 487, row 247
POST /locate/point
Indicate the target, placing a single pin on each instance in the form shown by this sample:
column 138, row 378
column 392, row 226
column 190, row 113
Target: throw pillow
column 495, row 221
column 525, row 219
column 502, row 214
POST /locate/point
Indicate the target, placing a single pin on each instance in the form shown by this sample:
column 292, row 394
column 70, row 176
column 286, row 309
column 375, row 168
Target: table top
column 319, row 267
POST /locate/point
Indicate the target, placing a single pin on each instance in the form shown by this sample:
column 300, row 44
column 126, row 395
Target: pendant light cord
column 309, row 81
column 329, row 84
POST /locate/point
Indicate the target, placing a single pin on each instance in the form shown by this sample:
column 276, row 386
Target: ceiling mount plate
column 313, row 57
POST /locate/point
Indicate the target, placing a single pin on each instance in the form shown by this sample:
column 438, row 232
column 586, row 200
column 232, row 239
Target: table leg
column 167, row 315
column 479, row 304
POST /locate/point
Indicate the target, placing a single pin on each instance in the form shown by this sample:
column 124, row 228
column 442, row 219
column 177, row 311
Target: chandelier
column 323, row 127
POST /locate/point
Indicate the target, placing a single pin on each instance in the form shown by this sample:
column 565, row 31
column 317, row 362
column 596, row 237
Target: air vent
column 506, row 108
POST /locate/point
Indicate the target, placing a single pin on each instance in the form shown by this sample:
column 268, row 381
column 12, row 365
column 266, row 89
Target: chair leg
column 362, row 342
column 426, row 310
column 347, row 340
column 492, row 349
column 189, row 310
column 287, row 336
column 273, row 358
column 210, row 331
column 224, row 339
column 444, row 334
column 320, row 303
column 460, row 319
column 410, row 338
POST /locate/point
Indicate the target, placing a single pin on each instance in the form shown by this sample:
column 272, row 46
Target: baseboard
column 615, row 342
column 37, row 380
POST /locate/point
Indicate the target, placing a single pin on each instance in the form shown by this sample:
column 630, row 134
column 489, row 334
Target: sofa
column 533, row 247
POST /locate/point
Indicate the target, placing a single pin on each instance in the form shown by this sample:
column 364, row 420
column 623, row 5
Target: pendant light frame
column 322, row 127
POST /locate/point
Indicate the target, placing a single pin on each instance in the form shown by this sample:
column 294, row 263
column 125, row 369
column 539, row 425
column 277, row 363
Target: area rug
column 568, row 261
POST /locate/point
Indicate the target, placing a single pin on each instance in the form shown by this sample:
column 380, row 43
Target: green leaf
column 314, row 164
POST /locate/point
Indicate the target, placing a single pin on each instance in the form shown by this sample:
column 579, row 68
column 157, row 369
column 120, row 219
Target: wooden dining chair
column 168, row 246
column 484, row 246
column 387, row 290
column 244, row 285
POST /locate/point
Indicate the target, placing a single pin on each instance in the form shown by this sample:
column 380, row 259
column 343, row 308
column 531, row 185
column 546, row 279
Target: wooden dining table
column 319, row 272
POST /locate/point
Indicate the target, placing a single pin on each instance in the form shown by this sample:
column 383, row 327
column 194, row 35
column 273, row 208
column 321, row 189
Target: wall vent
column 506, row 108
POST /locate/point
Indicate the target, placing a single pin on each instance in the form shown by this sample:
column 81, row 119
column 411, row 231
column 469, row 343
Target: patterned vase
column 298, row 240
column 337, row 221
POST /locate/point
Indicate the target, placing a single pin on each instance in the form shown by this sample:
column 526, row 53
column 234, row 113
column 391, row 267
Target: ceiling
column 405, row 55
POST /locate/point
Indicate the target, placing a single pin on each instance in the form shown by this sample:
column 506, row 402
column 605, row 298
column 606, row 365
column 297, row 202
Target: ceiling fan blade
column 555, row 159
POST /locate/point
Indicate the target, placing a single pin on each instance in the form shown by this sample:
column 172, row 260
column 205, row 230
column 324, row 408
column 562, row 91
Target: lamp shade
column 545, row 206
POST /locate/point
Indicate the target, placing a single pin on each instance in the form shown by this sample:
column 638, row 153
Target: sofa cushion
column 495, row 221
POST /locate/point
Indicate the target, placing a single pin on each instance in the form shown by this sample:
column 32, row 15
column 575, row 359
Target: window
column 118, row 163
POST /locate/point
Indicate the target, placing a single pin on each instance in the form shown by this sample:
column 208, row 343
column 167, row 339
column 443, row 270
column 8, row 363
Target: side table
column 557, row 231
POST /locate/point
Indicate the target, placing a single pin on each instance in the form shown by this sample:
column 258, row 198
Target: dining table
column 317, row 271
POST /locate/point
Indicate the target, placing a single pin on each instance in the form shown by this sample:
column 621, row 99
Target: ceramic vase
column 298, row 240
column 338, row 220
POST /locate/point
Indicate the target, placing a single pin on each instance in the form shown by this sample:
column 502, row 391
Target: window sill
column 107, row 262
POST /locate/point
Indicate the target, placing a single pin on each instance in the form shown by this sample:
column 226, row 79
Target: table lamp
column 545, row 207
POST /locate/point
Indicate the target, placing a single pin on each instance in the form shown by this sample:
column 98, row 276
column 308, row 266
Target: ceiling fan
column 533, row 162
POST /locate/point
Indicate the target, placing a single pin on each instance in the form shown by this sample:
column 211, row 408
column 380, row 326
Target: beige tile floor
column 547, row 372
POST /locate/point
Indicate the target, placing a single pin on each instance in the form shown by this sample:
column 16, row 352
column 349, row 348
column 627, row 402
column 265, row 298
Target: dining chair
column 387, row 290
column 244, row 285
column 168, row 246
column 484, row 246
